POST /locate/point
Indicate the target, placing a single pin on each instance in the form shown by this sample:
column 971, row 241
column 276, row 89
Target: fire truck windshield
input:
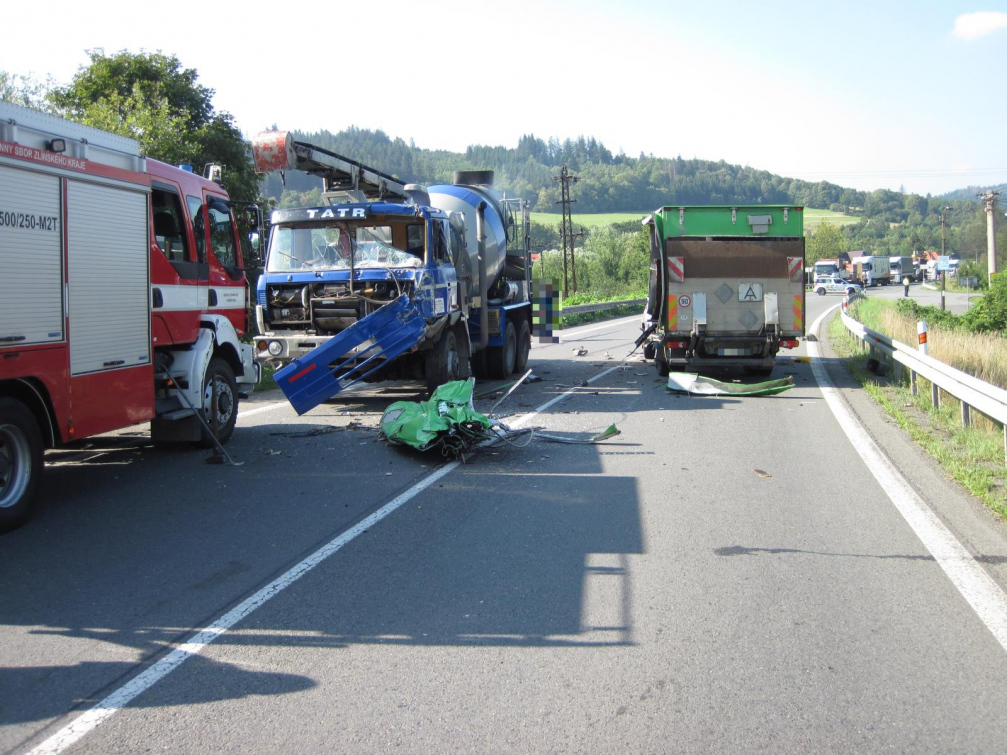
column 339, row 247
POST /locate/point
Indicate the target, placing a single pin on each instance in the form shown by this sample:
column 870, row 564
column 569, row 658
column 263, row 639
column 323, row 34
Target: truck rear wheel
column 219, row 372
column 660, row 362
column 20, row 463
column 500, row 359
column 523, row 347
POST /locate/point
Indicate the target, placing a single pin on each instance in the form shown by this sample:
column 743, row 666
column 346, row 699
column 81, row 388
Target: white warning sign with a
column 749, row 292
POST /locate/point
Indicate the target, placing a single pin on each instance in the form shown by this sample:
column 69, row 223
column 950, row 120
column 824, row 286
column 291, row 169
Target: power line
column 566, row 229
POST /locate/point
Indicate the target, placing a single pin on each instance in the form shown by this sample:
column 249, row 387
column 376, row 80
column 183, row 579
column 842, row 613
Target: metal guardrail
column 583, row 309
column 972, row 392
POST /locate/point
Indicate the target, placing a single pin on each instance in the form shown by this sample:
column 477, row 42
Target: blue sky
column 869, row 95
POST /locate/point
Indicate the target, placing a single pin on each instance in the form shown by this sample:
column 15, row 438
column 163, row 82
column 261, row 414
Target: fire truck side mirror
column 254, row 249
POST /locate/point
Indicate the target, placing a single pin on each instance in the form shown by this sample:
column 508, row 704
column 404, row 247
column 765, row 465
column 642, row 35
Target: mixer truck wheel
column 523, row 347
column 444, row 361
column 500, row 359
column 20, row 462
column 227, row 401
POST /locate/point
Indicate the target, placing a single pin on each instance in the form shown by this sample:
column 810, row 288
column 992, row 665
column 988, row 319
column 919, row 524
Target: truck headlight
column 275, row 348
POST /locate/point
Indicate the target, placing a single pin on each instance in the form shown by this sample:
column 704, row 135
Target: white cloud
column 975, row 25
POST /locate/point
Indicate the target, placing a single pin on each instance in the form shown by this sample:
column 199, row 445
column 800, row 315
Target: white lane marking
column 613, row 324
column 569, row 336
column 261, row 409
column 976, row 586
column 120, row 698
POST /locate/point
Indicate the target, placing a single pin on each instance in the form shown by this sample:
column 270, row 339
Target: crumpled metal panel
column 334, row 366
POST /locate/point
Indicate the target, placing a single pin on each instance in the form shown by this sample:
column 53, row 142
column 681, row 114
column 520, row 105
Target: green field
column 812, row 218
column 589, row 221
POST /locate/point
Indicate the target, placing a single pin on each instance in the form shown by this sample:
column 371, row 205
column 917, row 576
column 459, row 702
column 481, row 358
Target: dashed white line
column 975, row 585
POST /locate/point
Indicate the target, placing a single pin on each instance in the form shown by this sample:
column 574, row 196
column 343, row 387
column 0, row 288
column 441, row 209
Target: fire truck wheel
column 523, row 347
column 444, row 361
column 20, row 463
column 500, row 359
column 220, row 372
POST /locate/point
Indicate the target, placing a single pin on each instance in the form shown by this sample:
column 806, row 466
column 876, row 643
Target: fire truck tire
column 523, row 347
column 20, row 463
column 500, row 359
column 444, row 360
column 227, row 401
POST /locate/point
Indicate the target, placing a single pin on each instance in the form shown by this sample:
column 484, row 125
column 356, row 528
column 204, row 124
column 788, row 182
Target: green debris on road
column 688, row 382
column 446, row 419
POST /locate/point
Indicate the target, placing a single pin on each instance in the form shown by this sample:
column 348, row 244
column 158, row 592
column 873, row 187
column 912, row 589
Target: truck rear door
column 736, row 285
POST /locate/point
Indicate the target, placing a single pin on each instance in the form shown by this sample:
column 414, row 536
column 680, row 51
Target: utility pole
column 943, row 273
column 990, row 203
column 566, row 228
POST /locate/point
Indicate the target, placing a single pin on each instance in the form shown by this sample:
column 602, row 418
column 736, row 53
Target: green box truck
column 726, row 286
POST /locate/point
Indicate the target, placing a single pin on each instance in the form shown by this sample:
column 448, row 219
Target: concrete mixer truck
column 389, row 280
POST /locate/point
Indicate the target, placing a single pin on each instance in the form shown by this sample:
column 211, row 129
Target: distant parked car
column 833, row 284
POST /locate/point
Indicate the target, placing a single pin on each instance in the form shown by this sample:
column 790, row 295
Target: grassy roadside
column 973, row 456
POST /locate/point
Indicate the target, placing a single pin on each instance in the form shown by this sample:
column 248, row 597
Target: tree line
column 151, row 97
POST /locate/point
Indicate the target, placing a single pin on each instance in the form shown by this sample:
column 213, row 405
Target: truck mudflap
column 340, row 362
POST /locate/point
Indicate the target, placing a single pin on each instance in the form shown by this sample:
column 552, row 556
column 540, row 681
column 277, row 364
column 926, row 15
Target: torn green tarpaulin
column 446, row 418
column 688, row 382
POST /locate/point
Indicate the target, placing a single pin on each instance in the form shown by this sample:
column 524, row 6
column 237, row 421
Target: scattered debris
column 803, row 360
column 513, row 388
column 609, row 432
column 325, row 430
column 580, row 351
column 446, row 420
column 760, row 473
column 687, row 382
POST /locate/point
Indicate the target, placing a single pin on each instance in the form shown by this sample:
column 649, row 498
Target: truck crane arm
column 278, row 151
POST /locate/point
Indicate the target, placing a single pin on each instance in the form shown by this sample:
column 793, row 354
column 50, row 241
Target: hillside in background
column 972, row 193
column 882, row 221
column 607, row 182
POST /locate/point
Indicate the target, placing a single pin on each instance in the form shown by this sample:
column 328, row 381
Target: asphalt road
column 725, row 575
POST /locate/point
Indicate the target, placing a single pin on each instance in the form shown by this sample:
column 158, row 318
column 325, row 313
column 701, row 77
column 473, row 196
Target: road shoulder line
column 980, row 590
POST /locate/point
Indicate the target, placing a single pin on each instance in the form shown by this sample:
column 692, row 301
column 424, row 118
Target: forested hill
column 972, row 193
column 608, row 183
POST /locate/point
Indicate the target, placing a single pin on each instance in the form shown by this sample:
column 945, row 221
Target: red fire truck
column 122, row 297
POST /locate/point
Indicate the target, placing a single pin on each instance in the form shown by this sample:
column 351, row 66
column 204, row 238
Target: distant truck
column 829, row 267
column 834, row 266
column 900, row 268
column 871, row 270
column 726, row 286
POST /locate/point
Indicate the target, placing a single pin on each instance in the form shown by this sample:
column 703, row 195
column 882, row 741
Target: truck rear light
column 678, row 344
column 789, row 343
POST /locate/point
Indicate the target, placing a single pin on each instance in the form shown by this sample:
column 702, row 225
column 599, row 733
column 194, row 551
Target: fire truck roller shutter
column 109, row 290
column 31, row 233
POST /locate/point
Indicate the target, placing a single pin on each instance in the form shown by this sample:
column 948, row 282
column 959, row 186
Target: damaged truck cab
column 726, row 287
column 390, row 281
